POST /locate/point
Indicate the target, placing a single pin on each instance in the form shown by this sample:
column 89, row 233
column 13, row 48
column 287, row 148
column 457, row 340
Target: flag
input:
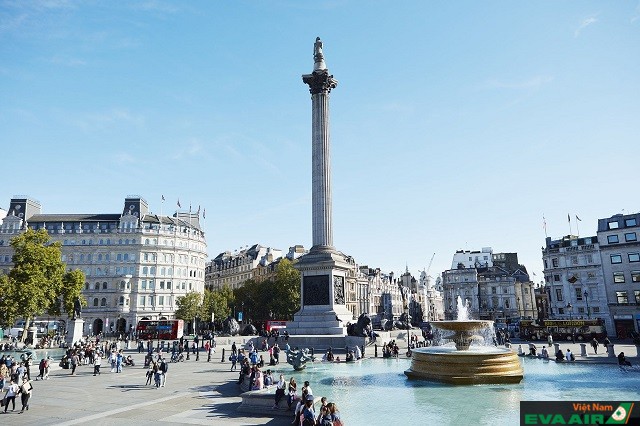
column 534, row 274
column 179, row 206
column 577, row 218
column 204, row 213
column 198, row 212
column 163, row 198
column 569, row 217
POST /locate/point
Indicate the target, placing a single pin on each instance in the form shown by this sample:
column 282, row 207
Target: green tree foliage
column 37, row 281
column 215, row 302
column 189, row 306
column 278, row 299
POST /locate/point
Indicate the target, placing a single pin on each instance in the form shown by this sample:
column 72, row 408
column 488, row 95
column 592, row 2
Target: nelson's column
column 323, row 269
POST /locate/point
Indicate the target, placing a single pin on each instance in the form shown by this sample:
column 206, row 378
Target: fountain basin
column 476, row 365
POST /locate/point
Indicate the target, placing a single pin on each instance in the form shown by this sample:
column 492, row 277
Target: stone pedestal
column 32, row 336
column 323, row 310
column 611, row 351
column 74, row 331
column 583, row 349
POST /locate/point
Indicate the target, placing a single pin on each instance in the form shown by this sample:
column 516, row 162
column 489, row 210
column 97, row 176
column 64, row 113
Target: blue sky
column 455, row 125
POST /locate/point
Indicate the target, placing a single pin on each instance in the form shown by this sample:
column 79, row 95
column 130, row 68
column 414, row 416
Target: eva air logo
column 621, row 414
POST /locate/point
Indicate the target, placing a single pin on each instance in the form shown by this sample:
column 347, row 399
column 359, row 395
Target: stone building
column 136, row 263
column 234, row 269
column 493, row 286
column 620, row 254
column 574, row 279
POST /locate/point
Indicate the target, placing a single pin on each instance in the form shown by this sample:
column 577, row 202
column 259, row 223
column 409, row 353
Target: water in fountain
column 463, row 310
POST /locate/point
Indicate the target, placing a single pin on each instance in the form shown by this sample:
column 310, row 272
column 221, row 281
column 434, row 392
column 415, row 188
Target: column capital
column 320, row 81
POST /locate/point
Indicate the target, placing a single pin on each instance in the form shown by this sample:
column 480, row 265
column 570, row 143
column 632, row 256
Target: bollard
column 583, row 349
column 209, row 355
column 222, row 360
column 197, row 354
column 556, row 347
column 362, row 351
column 610, row 351
column 375, row 350
column 312, row 352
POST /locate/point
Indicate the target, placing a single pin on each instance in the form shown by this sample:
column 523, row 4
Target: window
column 97, row 286
column 86, row 286
column 103, row 302
column 556, row 277
column 574, row 260
column 635, row 276
column 554, row 262
column 494, row 290
column 636, row 295
column 630, row 222
column 578, row 294
column 634, row 257
column 616, row 258
column 596, row 309
column 168, row 285
column 143, row 299
column 121, row 301
column 95, row 302
column 545, row 264
column 618, row 277
column 559, row 294
column 161, row 300
column 613, row 239
column 581, row 310
column 621, row 297
column 613, row 225
column 630, row 236
column 589, row 258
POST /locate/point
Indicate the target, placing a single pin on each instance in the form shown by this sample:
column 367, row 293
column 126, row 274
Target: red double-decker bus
column 275, row 325
column 160, row 329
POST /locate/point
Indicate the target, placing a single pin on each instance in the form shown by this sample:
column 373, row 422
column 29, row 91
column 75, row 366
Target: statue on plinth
column 77, row 309
column 299, row 358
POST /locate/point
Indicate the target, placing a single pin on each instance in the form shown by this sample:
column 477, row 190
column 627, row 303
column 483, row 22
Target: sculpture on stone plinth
column 299, row 358
column 362, row 328
column 249, row 330
column 77, row 309
column 230, row 326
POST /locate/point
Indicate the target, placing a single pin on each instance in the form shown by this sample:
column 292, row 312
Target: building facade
column 620, row 255
column 574, row 279
column 136, row 263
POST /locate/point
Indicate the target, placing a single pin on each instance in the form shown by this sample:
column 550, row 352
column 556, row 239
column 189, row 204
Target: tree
column 37, row 280
column 285, row 291
column 215, row 302
column 189, row 307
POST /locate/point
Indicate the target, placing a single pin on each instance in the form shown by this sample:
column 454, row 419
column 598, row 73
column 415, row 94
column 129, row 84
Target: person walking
column 164, row 366
column 75, row 360
column 550, row 340
column 234, row 361
column 594, row 345
column 10, row 395
column 97, row 361
column 25, row 393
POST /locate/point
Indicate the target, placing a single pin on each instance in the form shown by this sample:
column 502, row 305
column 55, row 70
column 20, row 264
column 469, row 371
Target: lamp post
column 518, row 306
column 586, row 298
column 570, row 309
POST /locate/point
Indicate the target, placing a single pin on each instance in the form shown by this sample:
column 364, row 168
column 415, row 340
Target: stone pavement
column 197, row 392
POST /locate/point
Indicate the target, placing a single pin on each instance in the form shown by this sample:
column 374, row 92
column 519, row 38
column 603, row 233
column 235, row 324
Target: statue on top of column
column 318, row 57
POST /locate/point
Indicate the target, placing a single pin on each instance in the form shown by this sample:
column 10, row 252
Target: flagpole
column 544, row 225
column 577, row 227
column 569, row 219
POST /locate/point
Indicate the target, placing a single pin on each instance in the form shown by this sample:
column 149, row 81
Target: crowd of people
column 15, row 379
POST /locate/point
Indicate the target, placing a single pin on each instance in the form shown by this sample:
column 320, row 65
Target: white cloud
column 584, row 24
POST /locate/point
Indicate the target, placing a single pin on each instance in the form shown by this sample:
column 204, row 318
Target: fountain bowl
column 465, row 364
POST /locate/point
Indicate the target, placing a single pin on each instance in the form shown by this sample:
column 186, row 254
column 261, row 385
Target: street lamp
column 570, row 309
column 586, row 298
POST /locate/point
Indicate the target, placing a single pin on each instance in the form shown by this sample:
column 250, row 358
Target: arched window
column 119, row 256
column 152, row 270
column 126, row 256
column 86, row 286
column 104, row 285
column 95, row 302
column 126, row 241
column 97, row 286
column 99, row 256
column 121, row 301
column 146, row 241
column 120, row 241
column 103, row 302
column 121, row 285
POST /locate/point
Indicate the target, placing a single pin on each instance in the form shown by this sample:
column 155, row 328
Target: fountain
column 466, row 363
